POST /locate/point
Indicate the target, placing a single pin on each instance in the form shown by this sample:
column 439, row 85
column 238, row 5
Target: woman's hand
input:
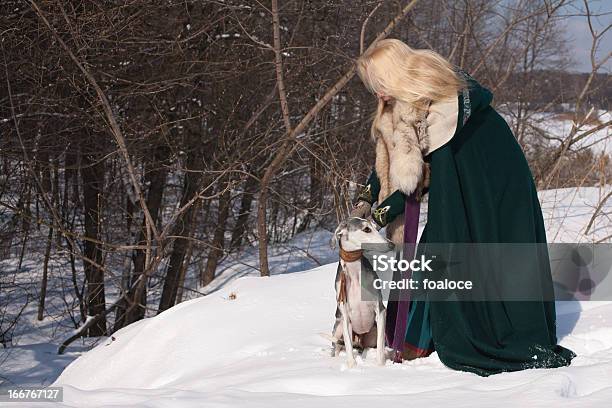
column 373, row 222
column 361, row 209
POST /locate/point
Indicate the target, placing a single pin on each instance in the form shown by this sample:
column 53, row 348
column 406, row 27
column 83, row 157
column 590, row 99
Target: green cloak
column 482, row 191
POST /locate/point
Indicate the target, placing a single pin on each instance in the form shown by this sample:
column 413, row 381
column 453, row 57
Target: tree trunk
column 92, row 173
column 316, row 196
column 218, row 240
column 46, row 185
column 135, row 306
column 238, row 234
column 184, row 227
column 25, row 225
column 188, row 254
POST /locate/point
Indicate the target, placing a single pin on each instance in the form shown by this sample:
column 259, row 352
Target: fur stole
column 401, row 139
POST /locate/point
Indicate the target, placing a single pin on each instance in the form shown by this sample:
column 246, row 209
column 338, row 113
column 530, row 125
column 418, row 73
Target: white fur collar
column 401, row 144
column 441, row 122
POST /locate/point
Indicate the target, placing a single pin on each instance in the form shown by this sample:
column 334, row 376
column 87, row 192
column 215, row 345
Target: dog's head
column 355, row 231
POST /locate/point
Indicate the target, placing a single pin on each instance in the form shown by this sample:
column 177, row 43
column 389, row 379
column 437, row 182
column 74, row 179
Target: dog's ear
column 341, row 229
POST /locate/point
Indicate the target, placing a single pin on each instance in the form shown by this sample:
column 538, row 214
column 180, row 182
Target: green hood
column 472, row 100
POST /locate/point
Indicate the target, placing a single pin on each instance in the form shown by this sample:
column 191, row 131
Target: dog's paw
column 352, row 363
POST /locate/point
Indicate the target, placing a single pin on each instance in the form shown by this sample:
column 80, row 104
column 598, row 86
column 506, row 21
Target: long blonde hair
column 408, row 75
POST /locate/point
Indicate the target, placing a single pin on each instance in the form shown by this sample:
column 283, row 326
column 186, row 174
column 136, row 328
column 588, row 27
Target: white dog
column 359, row 322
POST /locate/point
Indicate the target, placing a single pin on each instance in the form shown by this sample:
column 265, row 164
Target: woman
column 433, row 115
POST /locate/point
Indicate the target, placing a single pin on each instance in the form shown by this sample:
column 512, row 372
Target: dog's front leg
column 337, row 333
column 381, row 317
column 347, row 334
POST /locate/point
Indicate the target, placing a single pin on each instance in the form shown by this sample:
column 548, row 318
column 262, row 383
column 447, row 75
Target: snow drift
column 255, row 342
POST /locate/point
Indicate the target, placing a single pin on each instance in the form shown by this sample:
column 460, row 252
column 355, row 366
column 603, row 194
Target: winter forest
column 152, row 152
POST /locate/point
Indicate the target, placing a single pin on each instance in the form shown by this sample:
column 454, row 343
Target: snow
column 264, row 347
column 567, row 212
column 255, row 342
column 554, row 124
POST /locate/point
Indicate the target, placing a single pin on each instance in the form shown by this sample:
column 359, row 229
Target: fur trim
column 382, row 169
column 399, row 159
column 406, row 116
column 403, row 136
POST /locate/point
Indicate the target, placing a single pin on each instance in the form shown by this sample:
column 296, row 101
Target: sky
column 579, row 35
